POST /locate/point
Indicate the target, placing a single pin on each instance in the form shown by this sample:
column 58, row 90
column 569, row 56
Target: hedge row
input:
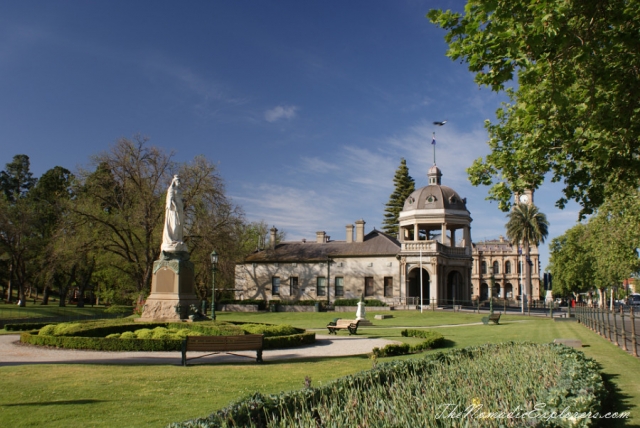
column 491, row 378
column 262, row 305
column 26, row 326
column 282, row 342
column 270, row 330
column 294, row 302
column 354, row 302
column 432, row 340
column 102, row 344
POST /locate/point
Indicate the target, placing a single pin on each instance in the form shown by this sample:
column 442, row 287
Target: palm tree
column 527, row 225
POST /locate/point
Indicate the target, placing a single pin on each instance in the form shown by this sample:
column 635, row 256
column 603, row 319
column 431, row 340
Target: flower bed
column 485, row 380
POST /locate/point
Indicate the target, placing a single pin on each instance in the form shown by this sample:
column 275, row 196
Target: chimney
column 501, row 239
column 349, row 233
column 272, row 237
column 320, row 237
column 360, row 230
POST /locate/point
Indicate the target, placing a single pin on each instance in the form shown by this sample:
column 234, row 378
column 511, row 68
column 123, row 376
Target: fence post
column 615, row 327
column 608, row 325
column 624, row 333
column 634, row 342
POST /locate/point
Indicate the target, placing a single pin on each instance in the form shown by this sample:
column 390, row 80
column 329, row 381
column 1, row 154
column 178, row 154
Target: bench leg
column 259, row 355
column 184, row 353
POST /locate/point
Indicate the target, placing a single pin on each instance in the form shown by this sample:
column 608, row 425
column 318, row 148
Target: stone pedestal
column 361, row 315
column 172, row 288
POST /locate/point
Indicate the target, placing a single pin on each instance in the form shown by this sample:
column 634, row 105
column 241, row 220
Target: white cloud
column 280, row 112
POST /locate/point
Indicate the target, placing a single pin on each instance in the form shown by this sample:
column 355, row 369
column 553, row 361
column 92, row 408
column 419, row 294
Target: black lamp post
column 214, row 264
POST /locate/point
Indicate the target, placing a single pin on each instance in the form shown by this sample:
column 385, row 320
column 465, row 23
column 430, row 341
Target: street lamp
column 214, row 264
column 493, row 283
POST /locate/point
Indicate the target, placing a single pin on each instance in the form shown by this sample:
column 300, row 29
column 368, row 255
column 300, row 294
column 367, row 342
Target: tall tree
column 575, row 112
column 404, row 186
column 17, row 179
column 528, row 226
column 572, row 261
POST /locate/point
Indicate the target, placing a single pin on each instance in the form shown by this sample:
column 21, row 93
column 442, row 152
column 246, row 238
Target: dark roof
column 376, row 243
column 494, row 245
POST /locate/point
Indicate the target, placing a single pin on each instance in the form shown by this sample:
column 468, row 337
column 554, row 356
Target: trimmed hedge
column 26, row 326
column 156, row 336
column 354, row 302
column 269, row 330
column 280, row 342
column 294, row 302
column 262, row 305
column 496, row 378
column 433, row 340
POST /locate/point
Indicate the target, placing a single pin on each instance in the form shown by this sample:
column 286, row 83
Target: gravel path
column 13, row 353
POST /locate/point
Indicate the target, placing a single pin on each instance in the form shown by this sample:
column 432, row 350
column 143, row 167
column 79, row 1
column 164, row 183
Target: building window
column 321, row 286
column 339, row 286
column 483, row 267
column 519, row 267
column 496, row 268
column 293, row 286
column 275, row 286
column 507, row 267
column 368, row 286
column 388, row 286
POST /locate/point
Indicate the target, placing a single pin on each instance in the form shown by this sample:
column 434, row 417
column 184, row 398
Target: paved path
column 12, row 353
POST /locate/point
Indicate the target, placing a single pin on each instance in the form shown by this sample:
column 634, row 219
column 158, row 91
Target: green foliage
column 409, row 392
column 404, row 186
column 354, row 302
column 293, row 340
column 119, row 309
column 572, row 261
column 294, row 302
column 575, row 113
column 126, row 342
column 262, row 305
column 432, row 340
column 269, row 330
column 25, row 326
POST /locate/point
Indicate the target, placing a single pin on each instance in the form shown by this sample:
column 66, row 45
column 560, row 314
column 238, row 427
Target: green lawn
column 137, row 396
column 52, row 310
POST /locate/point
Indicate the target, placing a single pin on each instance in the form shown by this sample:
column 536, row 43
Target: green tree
column 575, row 112
column 404, row 186
column 528, row 226
column 572, row 261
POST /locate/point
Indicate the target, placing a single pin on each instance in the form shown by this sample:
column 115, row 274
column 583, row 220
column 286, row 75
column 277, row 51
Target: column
column 416, row 231
column 444, row 233
column 453, row 237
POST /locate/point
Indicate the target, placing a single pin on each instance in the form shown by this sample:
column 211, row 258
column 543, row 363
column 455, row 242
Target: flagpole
column 433, row 142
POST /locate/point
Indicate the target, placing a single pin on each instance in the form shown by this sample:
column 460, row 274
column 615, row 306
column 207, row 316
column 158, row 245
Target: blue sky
column 305, row 106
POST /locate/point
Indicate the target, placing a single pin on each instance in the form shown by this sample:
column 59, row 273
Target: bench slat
column 247, row 342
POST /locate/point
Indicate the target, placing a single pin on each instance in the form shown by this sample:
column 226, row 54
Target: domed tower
column 430, row 247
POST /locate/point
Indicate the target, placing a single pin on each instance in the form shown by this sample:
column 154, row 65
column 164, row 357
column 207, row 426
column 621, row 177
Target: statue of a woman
column 172, row 235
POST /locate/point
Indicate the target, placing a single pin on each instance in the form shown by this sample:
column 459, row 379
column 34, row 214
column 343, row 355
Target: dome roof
column 435, row 196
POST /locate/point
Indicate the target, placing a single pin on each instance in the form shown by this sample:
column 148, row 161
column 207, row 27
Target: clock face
column 524, row 199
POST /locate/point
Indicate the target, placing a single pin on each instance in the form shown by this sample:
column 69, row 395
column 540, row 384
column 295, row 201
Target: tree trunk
column 45, row 295
column 84, row 282
column 527, row 272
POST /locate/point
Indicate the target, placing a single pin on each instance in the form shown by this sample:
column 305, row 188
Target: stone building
column 432, row 258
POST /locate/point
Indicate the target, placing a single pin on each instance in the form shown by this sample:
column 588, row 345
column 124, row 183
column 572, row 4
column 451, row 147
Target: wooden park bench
column 351, row 325
column 218, row 344
column 494, row 318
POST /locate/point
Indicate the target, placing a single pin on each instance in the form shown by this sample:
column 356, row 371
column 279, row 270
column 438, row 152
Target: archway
column 455, row 288
column 414, row 286
column 484, row 291
column 508, row 290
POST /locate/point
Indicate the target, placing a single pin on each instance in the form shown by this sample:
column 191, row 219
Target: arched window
column 507, row 267
column 483, row 267
column 496, row 268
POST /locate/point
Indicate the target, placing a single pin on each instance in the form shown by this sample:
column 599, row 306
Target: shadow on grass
column 614, row 401
column 54, row 403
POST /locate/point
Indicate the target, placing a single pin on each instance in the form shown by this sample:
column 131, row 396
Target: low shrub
column 262, row 305
column 354, row 302
column 280, row 342
column 492, row 378
column 269, row 330
column 27, row 326
column 126, row 342
column 432, row 340
column 294, row 302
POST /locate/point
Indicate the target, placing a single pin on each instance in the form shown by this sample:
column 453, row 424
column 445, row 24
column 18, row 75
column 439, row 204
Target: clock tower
column 524, row 198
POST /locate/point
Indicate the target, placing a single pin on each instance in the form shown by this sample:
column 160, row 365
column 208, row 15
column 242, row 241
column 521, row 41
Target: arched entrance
column 454, row 288
column 508, row 290
column 484, row 291
column 414, row 286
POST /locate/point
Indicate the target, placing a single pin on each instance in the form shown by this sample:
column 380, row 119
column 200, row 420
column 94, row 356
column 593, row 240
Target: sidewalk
column 13, row 353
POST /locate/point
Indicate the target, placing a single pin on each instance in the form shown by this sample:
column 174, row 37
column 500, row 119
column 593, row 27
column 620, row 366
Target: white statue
column 172, row 235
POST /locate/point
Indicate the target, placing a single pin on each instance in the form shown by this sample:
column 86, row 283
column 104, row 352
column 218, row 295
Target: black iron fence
column 618, row 326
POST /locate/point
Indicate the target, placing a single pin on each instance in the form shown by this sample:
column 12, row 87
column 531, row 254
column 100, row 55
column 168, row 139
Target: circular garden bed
column 129, row 336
